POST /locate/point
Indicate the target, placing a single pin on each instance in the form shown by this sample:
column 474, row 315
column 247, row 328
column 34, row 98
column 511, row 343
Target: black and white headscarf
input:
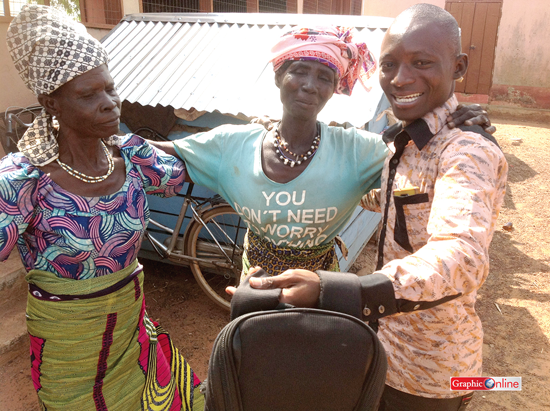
column 49, row 49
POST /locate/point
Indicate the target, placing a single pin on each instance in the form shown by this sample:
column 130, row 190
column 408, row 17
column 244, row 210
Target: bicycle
column 211, row 243
column 16, row 122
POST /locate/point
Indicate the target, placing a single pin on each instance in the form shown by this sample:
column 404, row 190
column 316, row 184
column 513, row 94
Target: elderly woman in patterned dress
column 73, row 202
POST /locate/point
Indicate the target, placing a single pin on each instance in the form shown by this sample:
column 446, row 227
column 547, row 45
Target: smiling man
column 419, row 61
column 442, row 190
column 440, row 197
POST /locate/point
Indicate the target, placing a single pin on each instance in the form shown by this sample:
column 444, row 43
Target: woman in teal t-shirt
column 297, row 185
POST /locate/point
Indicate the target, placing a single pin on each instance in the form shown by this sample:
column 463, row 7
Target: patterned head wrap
column 49, row 49
column 331, row 46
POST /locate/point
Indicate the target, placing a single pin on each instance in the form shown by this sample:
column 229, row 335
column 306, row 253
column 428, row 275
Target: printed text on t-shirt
column 286, row 224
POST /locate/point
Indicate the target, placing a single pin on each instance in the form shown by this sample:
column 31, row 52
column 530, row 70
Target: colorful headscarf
column 332, row 46
column 49, row 49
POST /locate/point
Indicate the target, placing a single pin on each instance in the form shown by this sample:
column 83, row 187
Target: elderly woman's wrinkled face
column 88, row 105
column 305, row 88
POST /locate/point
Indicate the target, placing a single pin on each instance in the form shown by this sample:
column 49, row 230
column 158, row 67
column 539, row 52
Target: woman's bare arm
column 166, row 146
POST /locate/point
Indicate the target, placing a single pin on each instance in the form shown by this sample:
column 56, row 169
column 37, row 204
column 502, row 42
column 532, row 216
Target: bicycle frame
column 170, row 252
column 13, row 123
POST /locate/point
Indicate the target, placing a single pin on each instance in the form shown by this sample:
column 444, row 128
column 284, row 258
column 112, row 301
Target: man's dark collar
column 418, row 131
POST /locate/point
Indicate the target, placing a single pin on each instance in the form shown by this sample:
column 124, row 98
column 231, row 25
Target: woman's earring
column 55, row 123
column 460, row 80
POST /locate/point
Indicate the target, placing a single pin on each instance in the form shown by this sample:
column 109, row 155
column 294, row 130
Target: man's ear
column 461, row 66
column 49, row 103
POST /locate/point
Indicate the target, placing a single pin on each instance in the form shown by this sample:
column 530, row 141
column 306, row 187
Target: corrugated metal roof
column 219, row 62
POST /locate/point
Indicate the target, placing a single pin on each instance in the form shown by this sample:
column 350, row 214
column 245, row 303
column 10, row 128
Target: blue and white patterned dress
column 82, row 237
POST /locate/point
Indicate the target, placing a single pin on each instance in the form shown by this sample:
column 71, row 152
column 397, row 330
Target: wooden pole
column 252, row 6
column 206, row 6
column 292, row 6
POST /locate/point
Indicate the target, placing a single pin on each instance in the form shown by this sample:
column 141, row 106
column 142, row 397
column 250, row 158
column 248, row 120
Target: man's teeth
column 408, row 99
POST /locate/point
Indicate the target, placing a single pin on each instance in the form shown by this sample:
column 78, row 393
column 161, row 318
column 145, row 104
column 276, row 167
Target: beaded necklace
column 86, row 178
column 282, row 148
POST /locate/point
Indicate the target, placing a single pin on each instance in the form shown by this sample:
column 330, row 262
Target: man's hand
column 300, row 288
column 470, row 115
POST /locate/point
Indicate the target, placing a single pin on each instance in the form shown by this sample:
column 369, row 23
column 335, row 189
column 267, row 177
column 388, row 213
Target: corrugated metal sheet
column 219, row 62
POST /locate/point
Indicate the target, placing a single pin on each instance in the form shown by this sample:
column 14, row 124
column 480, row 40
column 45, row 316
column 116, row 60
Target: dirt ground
column 514, row 303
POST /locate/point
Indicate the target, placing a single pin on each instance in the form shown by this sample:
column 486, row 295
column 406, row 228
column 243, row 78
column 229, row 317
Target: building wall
column 130, row 6
column 521, row 59
column 13, row 91
column 523, row 51
column 391, row 8
column 522, row 55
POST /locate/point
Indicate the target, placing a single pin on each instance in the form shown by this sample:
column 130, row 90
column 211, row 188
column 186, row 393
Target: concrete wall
column 522, row 55
column 13, row 91
column 521, row 60
column 130, row 6
column 391, row 8
column 523, row 51
column 97, row 33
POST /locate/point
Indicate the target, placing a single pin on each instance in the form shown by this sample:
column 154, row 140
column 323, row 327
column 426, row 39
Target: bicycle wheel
column 219, row 241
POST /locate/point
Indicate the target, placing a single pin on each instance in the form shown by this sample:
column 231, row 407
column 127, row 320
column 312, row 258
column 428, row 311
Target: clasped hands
column 300, row 288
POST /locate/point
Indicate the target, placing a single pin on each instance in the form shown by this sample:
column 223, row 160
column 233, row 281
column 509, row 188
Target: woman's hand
column 300, row 288
column 469, row 115
column 231, row 290
column 265, row 121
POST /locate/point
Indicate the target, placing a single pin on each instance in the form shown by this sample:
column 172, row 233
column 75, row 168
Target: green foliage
column 71, row 7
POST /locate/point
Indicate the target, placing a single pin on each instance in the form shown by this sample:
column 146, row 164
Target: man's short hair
column 430, row 14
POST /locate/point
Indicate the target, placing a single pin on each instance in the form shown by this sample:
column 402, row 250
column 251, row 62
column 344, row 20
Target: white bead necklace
column 282, row 147
column 90, row 179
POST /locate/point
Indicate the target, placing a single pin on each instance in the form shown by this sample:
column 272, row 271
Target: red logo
column 485, row 383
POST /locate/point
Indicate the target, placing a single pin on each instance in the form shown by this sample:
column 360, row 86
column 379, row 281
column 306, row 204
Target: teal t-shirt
column 305, row 212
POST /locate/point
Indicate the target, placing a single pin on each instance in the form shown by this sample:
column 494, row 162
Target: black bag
column 293, row 359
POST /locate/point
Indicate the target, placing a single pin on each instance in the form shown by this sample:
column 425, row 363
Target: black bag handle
column 341, row 292
column 248, row 299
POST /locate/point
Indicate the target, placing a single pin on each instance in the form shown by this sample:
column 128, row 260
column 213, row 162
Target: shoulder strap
column 479, row 130
column 340, row 292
